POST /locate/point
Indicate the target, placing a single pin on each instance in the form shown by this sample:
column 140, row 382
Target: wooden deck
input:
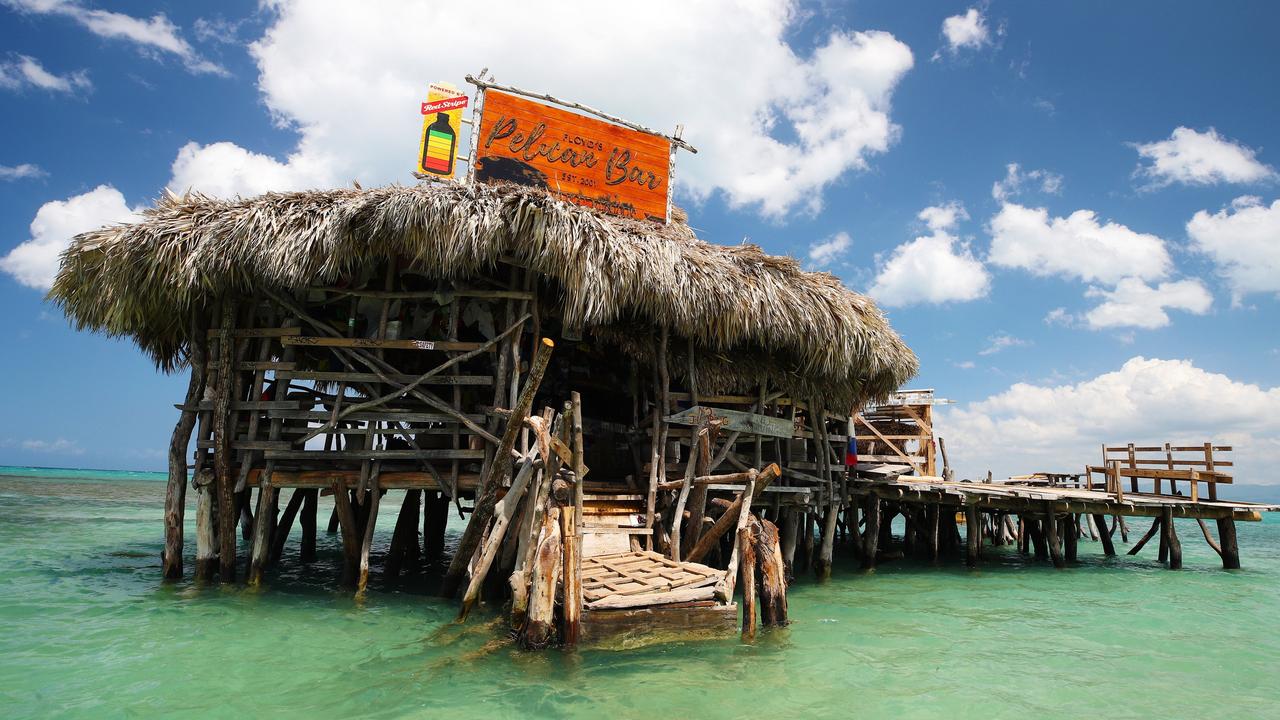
column 646, row 579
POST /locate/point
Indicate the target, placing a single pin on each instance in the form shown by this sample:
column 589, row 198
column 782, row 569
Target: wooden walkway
column 643, row 579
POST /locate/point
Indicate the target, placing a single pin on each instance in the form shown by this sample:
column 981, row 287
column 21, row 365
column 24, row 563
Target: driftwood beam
column 175, row 495
column 730, row 517
column 487, row 495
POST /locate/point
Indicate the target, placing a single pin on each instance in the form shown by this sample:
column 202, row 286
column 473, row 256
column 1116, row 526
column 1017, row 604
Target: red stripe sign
column 453, row 103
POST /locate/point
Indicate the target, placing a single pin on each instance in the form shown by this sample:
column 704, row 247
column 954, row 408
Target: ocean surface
column 88, row 630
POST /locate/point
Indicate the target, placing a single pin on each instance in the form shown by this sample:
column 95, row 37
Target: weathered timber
column 222, row 450
column 751, row 423
column 350, row 536
column 1070, row 537
column 773, row 580
column 1104, row 534
column 573, row 546
column 307, row 550
column 281, row 534
column 730, row 517
column 435, row 516
column 973, row 534
column 487, row 495
column 503, row 512
column 1171, row 540
column 871, row 534
column 404, row 548
column 370, row 523
column 206, row 541
column 1155, row 528
column 1230, row 547
column 175, row 496
column 539, row 624
column 1050, row 524
column 747, row 549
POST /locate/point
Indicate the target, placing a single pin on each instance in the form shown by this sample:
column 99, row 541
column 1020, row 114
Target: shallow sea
column 87, row 629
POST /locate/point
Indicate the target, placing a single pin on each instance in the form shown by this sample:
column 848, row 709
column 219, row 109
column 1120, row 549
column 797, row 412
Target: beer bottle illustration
column 438, row 146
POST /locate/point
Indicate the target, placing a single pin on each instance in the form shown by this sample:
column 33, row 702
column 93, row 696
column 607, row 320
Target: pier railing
column 1190, row 464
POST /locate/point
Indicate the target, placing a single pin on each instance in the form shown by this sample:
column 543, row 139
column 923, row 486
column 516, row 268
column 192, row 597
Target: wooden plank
column 746, row 422
column 441, row 454
column 261, row 332
column 256, row 366
column 317, row 341
column 400, row 378
column 383, row 415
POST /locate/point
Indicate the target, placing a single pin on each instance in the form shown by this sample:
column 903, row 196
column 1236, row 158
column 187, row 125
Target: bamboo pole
column 487, row 495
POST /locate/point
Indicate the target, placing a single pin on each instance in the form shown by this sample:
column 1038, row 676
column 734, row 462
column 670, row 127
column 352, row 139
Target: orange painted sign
column 590, row 162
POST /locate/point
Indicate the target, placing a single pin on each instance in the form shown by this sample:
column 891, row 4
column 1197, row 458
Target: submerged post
column 1227, row 538
column 1050, row 524
column 973, row 534
column 1171, row 542
column 1104, row 534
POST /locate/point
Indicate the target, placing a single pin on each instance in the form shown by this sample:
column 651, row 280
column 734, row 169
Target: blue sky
column 1062, row 304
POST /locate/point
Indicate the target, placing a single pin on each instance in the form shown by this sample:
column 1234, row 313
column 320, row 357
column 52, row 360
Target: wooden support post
column 175, row 496
column 725, row 590
column 1050, row 524
column 487, row 495
column 370, row 524
column 790, row 529
column 404, row 540
column 973, row 534
column 435, row 516
column 871, row 534
column 730, row 517
column 773, row 581
column 1227, row 539
column 307, row 551
column 1155, row 528
column 281, row 535
column 350, row 536
column 503, row 512
column 539, row 625
column 573, row 545
column 1070, row 536
column 222, row 447
column 1036, row 529
column 1164, row 542
column 746, row 548
column 1104, row 534
column 1171, row 539
column 206, row 542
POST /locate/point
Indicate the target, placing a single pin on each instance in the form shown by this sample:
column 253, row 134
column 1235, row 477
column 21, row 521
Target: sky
column 1070, row 211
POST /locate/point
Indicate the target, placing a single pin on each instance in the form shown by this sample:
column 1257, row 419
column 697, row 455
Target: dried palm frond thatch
column 746, row 313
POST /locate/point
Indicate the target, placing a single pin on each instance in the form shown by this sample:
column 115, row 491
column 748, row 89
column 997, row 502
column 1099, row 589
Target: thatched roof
column 748, row 311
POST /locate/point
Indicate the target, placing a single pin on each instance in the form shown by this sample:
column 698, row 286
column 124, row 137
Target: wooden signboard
column 737, row 420
column 590, row 162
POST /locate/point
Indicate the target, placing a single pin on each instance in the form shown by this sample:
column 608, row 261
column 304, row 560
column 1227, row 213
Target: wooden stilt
column 539, row 625
column 790, row 529
column 370, row 524
column 1050, row 524
column 350, row 532
column 1108, row 547
column 435, row 518
column 222, row 447
column 746, row 547
column 1164, row 542
column 281, row 534
column 973, row 534
column 206, row 541
column 871, row 536
column 1171, row 539
column 773, row 582
column 504, row 511
column 1070, row 536
column 1124, row 528
column 1036, row 529
column 175, row 497
column 307, row 551
column 1155, row 527
column 404, row 548
column 1227, row 539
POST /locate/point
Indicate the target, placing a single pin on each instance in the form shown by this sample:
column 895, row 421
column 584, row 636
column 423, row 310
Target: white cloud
column 967, row 31
column 1059, row 316
column 1195, row 158
column 1015, row 180
column 25, row 171
column 965, row 365
column 934, row 268
column 225, row 169
column 26, row 71
column 60, row 445
column 822, row 254
column 1146, row 401
column 1000, row 342
column 154, row 35
column 1076, row 246
column 356, row 110
column 34, row 263
column 1244, row 242
column 1133, row 303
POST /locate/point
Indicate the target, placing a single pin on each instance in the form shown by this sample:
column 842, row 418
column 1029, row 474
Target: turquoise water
column 88, row 630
